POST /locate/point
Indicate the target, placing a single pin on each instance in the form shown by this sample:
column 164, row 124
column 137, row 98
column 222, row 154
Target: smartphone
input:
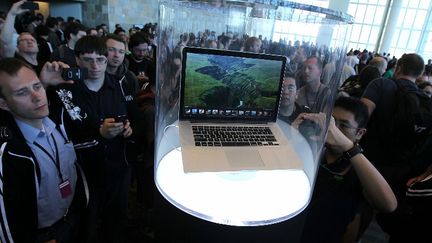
column 121, row 118
column 30, row 6
column 75, row 74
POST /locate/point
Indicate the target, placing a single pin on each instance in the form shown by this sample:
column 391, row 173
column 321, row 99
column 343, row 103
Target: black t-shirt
column 36, row 68
column 145, row 66
column 334, row 203
column 382, row 93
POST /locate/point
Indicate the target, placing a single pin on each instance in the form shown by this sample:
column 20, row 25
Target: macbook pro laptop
column 228, row 109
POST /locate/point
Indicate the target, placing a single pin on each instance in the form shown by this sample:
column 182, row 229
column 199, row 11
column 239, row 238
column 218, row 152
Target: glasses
column 344, row 125
column 98, row 60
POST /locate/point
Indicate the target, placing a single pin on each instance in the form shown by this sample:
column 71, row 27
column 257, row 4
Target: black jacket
column 20, row 178
column 101, row 158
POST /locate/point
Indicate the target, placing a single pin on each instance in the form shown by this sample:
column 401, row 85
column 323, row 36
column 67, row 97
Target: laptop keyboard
column 233, row 136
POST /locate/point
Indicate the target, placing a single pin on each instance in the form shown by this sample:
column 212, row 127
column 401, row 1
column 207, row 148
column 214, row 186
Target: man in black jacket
column 100, row 116
column 39, row 183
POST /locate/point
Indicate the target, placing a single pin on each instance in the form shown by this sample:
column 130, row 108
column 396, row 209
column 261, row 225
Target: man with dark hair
column 411, row 65
column 42, row 193
column 65, row 53
column 116, row 63
column 380, row 98
column 60, row 30
column 289, row 109
column 100, row 116
column 92, row 31
column 53, row 25
column 45, row 47
column 139, row 59
column 35, row 21
column 396, row 131
column 343, row 176
column 313, row 94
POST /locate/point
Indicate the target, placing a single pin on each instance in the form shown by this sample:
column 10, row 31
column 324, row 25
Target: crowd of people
column 70, row 147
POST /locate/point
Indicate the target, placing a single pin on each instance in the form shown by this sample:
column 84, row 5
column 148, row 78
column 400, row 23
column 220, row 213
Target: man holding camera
column 344, row 175
column 42, row 191
column 27, row 46
column 99, row 122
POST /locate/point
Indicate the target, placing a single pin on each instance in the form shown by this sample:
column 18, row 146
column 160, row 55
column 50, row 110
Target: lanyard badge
column 65, row 189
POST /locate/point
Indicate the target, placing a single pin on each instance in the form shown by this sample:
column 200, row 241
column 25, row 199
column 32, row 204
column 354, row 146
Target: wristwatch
column 357, row 149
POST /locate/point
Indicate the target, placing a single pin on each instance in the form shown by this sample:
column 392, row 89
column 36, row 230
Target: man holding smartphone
column 100, row 140
column 27, row 45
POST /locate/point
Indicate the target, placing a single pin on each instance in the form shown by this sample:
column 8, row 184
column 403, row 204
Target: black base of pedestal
column 175, row 226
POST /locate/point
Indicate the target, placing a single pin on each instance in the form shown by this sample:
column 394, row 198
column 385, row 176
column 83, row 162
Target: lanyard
column 56, row 161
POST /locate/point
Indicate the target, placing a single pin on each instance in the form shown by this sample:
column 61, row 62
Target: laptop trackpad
column 244, row 159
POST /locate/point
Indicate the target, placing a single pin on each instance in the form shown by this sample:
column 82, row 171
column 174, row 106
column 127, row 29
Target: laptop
column 228, row 111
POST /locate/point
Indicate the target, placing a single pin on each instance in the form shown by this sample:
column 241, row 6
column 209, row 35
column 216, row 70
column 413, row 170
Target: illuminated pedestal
column 244, row 198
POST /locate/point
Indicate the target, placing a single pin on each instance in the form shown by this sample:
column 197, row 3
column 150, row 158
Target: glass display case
column 238, row 89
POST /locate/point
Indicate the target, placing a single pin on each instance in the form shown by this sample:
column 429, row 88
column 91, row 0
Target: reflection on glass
column 293, row 30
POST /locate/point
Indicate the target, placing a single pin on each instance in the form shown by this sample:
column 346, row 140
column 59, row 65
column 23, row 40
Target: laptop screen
column 229, row 85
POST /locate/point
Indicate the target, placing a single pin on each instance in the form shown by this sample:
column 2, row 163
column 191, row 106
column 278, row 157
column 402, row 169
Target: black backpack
column 409, row 125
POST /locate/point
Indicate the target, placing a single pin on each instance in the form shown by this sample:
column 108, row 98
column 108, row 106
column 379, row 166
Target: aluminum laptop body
column 238, row 92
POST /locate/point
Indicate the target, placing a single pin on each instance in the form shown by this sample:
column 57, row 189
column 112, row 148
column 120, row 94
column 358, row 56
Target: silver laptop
column 228, row 110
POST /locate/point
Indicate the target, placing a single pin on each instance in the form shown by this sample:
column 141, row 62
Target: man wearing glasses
column 289, row 109
column 344, row 175
column 27, row 48
column 99, row 124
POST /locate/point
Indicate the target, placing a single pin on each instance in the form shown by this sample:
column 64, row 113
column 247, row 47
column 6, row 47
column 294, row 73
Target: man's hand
column 51, row 74
column 16, row 8
column 110, row 129
column 421, row 177
column 336, row 140
column 127, row 129
column 318, row 118
column 142, row 77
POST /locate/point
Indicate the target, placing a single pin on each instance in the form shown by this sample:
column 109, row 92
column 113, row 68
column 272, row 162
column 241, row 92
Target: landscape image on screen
column 234, row 82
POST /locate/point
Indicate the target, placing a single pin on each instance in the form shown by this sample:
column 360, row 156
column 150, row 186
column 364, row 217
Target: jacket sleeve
column 18, row 205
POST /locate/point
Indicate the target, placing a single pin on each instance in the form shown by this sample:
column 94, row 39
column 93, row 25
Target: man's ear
column 3, row 105
column 360, row 133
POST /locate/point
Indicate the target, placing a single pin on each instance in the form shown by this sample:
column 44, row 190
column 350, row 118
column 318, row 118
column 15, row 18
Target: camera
column 76, row 74
column 30, row 6
column 309, row 128
column 121, row 118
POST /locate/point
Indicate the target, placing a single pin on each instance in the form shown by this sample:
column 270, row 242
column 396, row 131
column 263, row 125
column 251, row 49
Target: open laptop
column 228, row 109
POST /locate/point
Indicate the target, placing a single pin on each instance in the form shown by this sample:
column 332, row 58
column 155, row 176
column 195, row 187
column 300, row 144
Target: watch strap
column 356, row 149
